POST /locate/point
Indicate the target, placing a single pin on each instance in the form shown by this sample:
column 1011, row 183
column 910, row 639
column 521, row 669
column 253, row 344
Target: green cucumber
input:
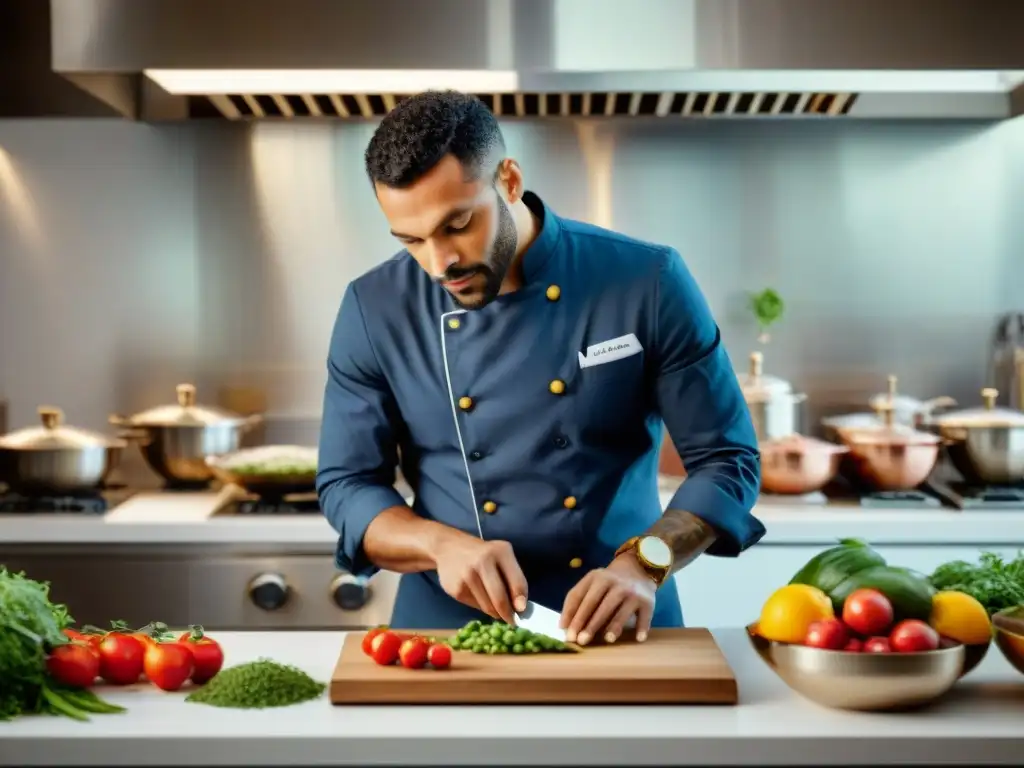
column 828, row 569
column 907, row 590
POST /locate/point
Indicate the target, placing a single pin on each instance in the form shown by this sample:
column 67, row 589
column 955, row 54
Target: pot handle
column 140, row 436
column 799, row 397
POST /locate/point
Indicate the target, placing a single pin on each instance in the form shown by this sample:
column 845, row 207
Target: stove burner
column 89, row 505
column 992, row 497
column 267, row 506
column 915, row 499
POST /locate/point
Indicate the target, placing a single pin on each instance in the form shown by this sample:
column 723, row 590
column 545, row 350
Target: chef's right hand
column 482, row 574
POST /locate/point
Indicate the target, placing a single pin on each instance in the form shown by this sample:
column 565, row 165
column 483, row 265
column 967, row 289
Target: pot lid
column 185, row 413
column 758, row 387
column 797, row 443
column 888, row 431
column 989, row 415
column 53, row 435
column 906, row 403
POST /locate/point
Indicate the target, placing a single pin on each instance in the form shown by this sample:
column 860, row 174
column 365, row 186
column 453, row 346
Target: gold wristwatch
column 653, row 554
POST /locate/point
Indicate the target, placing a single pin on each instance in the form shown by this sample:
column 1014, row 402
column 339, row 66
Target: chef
column 519, row 367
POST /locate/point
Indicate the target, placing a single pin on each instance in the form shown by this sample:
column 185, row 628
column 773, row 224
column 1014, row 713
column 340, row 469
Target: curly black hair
column 415, row 136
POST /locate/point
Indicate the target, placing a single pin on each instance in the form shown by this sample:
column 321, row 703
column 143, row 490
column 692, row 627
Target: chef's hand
column 606, row 599
column 482, row 574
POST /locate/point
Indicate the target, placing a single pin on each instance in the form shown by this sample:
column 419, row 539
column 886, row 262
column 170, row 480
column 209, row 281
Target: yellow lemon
column 960, row 617
column 790, row 610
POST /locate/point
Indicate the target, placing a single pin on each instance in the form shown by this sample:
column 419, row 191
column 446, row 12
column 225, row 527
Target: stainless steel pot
column 986, row 445
column 775, row 409
column 906, row 410
column 175, row 440
column 54, row 458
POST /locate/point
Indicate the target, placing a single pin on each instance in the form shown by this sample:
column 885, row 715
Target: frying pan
column 241, row 468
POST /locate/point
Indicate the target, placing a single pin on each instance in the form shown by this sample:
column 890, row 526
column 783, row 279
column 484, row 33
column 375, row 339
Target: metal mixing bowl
column 1008, row 632
column 863, row 681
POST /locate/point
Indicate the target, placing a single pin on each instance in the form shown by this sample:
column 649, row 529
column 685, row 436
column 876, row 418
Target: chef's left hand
column 606, row 599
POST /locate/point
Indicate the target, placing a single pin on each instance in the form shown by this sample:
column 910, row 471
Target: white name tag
column 610, row 351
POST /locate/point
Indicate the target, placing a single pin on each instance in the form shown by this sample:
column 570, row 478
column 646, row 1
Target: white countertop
column 189, row 518
column 978, row 722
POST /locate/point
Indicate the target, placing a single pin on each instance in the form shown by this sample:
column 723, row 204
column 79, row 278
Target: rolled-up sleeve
column 702, row 404
column 358, row 452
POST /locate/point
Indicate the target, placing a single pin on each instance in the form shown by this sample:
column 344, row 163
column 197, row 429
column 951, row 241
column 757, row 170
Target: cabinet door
column 729, row 592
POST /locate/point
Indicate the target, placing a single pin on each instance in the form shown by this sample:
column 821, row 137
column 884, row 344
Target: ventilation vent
column 550, row 105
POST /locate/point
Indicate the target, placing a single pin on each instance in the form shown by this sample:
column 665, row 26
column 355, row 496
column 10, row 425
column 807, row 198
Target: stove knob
column 349, row 592
column 269, row 591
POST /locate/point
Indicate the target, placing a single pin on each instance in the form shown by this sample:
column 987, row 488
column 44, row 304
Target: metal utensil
column 252, row 469
column 798, row 464
column 774, row 408
column 986, row 445
column 541, row 621
column 862, row 681
column 54, row 458
column 907, row 411
column 176, row 440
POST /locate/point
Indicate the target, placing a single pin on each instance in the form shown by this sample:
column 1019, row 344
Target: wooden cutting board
column 674, row 666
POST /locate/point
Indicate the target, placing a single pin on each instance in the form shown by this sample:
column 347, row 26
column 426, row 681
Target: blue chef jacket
column 538, row 418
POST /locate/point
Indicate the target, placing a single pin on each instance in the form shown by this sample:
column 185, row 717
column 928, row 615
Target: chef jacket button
column 575, row 563
column 569, row 502
column 465, row 403
column 557, row 387
column 475, row 456
column 490, row 507
column 553, row 292
column 454, row 323
column 561, row 441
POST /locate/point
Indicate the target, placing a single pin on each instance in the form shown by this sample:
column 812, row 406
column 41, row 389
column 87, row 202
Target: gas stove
column 96, row 503
column 296, row 504
column 971, row 498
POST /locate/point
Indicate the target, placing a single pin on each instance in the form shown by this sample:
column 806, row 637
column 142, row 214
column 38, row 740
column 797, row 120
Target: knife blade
column 541, row 621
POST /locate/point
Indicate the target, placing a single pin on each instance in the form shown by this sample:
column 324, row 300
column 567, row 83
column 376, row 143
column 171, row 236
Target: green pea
column 518, row 648
column 494, row 649
column 455, row 645
column 530, row 645
column 495, row 631
column 509, row 638
column 522, row 635
column 473, row 626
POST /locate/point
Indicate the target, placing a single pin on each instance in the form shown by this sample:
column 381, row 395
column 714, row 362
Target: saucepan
column 797, row 464
column 269, row 471
column 889, row 456
column 54, row 458
column 986, row 445
column 907, row 411
column 175, row 440
column 776, row 410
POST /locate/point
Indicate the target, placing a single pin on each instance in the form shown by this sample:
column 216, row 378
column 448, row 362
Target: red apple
column 877, row 645
column 867, row 612
column 829, row 634
column 913, row 636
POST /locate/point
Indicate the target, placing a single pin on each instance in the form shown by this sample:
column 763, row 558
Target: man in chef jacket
column 520, row 365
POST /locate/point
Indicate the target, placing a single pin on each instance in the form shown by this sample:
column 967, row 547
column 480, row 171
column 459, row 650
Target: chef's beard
column 496, row 266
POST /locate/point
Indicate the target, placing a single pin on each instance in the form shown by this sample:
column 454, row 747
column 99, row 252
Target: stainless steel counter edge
column 978, row 723
column 798, row 523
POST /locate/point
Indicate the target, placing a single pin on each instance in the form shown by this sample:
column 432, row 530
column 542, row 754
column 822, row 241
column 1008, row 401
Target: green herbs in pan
column 257, row 685
column 992, row 581
column 502, row 638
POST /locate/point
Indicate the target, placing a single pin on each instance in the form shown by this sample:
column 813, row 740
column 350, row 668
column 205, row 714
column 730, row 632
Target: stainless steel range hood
column 353, row 59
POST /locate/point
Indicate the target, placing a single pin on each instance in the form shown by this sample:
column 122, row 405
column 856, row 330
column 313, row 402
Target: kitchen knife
column 542, row 621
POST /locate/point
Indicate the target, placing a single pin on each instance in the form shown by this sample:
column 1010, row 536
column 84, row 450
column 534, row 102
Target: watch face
column 655, row 551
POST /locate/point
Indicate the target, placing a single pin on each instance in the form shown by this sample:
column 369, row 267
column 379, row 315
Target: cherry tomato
column 877, row 645
column 76, row 664
column 168, row 665
column 385, row 648
column 120, row 658
column 867, row 612
column 854, row 645
column 439, row 656
column 368, row 639
column 830, row 634
column 913, row 636
column 207, row 655
column 413, row 653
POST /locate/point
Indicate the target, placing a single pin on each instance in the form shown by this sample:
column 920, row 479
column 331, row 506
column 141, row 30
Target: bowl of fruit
column 1009, row 635
column 851, row 632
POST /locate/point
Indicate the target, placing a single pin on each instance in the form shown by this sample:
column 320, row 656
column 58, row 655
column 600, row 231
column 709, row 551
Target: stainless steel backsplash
column 135, row 256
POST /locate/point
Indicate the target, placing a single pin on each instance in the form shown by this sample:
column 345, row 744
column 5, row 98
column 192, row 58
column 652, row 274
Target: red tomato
column 74, row 634
column 829, row 634
column 877, row 645
column 168, row 665
column 120, row 658
column 207, row 655
column 439, row 656
column 854, row 645
column 385, row 648
column 913, row 636
column 368, row 639
column 75, row 664
column 868, row 612
column 413, row 653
